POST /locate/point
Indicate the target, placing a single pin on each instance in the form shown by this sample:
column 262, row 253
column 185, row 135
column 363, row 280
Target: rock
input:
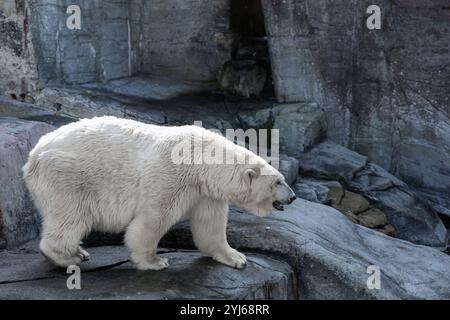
column 300, row 125
column 374, row 178
column 336, row 193
column 355, row 207
column 332, row 162
column 110, row 275
column 305, row 191
column 439, row 204
column 289, row 168
column 19, row 221
column 98, row 100
column 372, row 218
column 387, row 229
column 182, row 39
column 354, row 203
column 242, row 77
column 330, row 255
column 18, row 75
column 413, row 219
column 312, row 190
column 129, row 38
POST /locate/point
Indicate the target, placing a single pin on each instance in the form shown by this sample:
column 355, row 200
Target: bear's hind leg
column 142, row 237
column 208, row 225
column 61, row 243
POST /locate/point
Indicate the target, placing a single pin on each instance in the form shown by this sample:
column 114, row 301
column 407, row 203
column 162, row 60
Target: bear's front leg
column 209, row 224
column 142, row 237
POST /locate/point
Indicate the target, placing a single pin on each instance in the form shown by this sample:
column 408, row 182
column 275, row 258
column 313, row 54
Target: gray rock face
column 330, row 255
column 120, row 38
column 329, row 160
column 300, row 125
column 413, row 219
column 385, row 94
column 18, row 74
column 100, row 50
column 183, row 39
column 184, row 109
column 18, row 219
column 289, row 168
column 313, row 190
column 109, row 275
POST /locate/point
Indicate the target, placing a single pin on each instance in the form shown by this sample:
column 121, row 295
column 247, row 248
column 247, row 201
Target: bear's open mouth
column 278, row 205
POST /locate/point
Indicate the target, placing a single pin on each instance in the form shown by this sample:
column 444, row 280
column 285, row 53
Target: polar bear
column 113, row 175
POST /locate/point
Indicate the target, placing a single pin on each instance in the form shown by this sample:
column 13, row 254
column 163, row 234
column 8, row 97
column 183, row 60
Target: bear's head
column 262, row 190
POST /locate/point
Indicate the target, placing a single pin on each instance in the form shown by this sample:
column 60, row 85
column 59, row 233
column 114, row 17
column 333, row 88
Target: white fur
column 110, row 174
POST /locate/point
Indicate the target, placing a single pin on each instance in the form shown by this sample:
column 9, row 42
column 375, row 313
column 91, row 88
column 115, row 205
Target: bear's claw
column 83, row 254
column 232, row 258
column 156, row 263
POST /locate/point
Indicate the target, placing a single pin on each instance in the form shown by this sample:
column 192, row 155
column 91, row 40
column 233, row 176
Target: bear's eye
column 278, row 182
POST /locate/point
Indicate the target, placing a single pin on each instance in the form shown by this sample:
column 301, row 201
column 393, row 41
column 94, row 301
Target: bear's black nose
column 292, row 199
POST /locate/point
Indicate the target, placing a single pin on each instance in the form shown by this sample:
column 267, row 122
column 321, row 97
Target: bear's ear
column 249, row 175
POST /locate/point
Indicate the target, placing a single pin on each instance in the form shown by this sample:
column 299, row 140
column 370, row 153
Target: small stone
column 387, row 230
column 372, row 218
column 354, row 203
column 336, row 194
column 267, row 228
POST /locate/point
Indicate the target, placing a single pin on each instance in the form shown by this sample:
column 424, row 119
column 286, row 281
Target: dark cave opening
column 247, row 18
column 249, row 72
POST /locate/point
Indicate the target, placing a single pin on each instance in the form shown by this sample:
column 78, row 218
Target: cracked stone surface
column 327, row 253
column 412, row 218
column 330, row 254
column 109, row 275
column 215, row 110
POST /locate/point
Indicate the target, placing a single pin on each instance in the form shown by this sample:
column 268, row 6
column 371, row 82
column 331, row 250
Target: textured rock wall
column 98, row 51
column 18, row 74
column 401, row 87
column 187, row 39
column 19, row 221
column 385, row 91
